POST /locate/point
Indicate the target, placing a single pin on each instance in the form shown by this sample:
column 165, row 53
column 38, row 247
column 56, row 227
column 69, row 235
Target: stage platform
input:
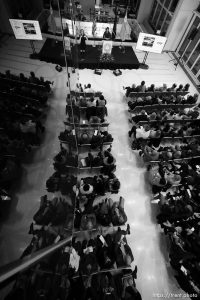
column 53, row 52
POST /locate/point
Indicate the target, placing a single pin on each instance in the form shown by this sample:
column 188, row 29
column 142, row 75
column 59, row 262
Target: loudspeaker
column 117, row 72
column 98, row 71
column 193, row 34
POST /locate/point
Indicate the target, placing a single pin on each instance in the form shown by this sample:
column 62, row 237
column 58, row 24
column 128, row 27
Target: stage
column 53, row 52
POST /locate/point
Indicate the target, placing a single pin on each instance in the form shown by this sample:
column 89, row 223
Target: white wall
column 179, row 23
column 144, row 10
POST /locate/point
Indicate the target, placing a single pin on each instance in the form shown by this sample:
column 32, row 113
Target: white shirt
column 142, row 133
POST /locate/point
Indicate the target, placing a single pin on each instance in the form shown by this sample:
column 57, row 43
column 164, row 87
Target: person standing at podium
column 107, row 35
column 82, row 39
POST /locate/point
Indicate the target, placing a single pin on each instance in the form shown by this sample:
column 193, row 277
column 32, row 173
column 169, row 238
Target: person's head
column 143, row 83
column 32, row 74
column 89, row 85
column 174, row 85
column 133, row 86
column 152, row 86
column 21, row 75
column 89, row 268
column 101, row 97
column 82, row 32
column 164, row 86
column 180, row 86
column 107, row 29
column 187, row 86
column 86, row 187
column 110, row 160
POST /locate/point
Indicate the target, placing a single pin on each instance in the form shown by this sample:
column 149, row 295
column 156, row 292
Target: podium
column 107, row 47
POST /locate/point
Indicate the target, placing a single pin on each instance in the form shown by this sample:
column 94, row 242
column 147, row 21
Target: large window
column 161, row 15
column 189, row 50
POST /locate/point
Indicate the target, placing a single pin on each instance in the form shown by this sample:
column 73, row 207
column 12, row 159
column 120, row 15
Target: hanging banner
column 107, row 47
column 67, row 44
column 26, row 29
column 151, row 43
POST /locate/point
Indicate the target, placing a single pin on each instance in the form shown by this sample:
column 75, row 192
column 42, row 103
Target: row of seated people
column 165, row 153
column 106, row 285
column 65, row 182
column 23, row 91
column 179, row 216
column 106, row 252
column 87, row 88
column 143, row 89
column 32, row 79
column 96, row 138
column 86, row 102
column 92, row 119
column 155, row 126
column 162, row 99
column 99, row 111
column 166, row 114
column 84, row 212
column 157, row 133
column 20, row 129
column 103, row 159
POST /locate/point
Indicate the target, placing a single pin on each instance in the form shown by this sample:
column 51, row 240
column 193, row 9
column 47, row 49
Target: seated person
column 130, row 89
column 150, row 154
column 180, row 88
column 151, row 88
column 118, row 216
column 122, row 252
column 85, row 189
column 88, row 89
column 101, row 101
column 107, row 35
column 186, row 87
column 142, row 132
column 141, row 87
column 91, row 102
column 140, row 117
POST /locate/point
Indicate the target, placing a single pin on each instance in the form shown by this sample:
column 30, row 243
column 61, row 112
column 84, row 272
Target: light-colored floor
column 147, row 242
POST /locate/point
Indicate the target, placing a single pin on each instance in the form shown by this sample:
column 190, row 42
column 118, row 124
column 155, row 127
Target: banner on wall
column 107, row 47
column 26, row 29
column 150, row 42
